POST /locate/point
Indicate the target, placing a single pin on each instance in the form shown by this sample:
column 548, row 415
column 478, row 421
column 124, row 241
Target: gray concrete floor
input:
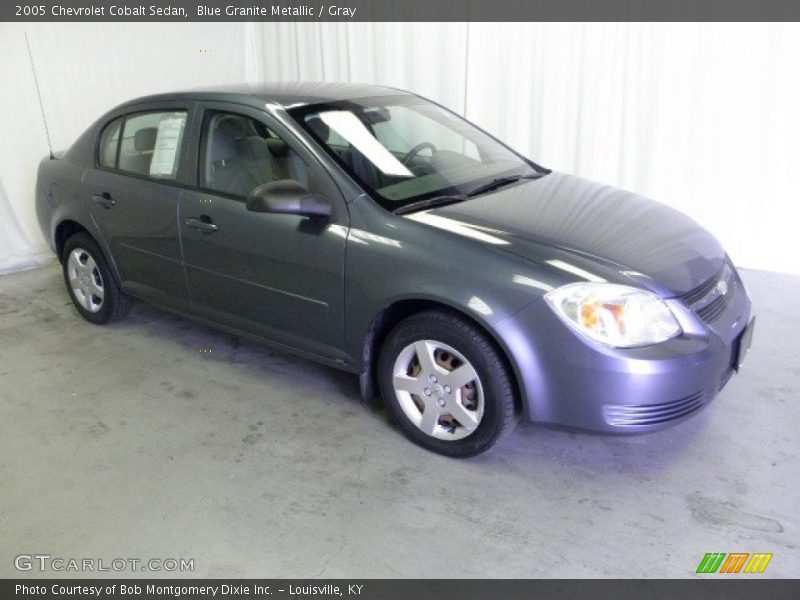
column 132, row 441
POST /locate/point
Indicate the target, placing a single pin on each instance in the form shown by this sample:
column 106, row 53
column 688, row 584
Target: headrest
column 234, row 124
column 252, row 148
column 318, row 126
column 144, row 140
column 223, row 145
column 277, row 147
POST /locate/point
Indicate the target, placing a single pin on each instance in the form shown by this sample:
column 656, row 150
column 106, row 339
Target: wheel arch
column 65, row 230
column 68, row 227
column 391, row 315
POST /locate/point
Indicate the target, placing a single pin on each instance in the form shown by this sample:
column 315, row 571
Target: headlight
column 616, row 315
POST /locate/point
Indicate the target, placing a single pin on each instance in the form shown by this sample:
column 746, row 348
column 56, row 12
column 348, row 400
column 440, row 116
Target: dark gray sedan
column 375, row 231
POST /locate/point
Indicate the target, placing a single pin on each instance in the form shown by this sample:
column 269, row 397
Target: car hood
column 600, row 225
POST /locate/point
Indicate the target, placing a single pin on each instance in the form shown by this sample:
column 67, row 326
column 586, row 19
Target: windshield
column 403, row 149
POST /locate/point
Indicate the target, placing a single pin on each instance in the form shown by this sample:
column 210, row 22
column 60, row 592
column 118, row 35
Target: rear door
column 276, row 275
column 133, row 190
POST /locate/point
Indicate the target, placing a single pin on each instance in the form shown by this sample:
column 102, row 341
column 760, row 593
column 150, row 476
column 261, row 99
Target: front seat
column 287, row 164
column 230, row 171
column 360, row 164
column 253, row 153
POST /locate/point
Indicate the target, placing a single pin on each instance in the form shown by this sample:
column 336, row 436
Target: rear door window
column 109, row 142
column 147, row 144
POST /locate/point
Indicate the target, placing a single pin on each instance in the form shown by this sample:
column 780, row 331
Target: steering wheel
column 416, row 150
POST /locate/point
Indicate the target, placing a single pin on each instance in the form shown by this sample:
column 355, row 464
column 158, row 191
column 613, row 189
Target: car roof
column 288, row 94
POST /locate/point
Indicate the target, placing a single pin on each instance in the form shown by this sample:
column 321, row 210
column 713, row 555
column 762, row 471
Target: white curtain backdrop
column 703, row 117
column 84, row 69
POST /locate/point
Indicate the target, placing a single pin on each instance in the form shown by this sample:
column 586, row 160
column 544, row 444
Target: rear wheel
column 90, row 283
column 446, row 385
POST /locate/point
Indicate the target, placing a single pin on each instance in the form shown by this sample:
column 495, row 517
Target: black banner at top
column 399, row 10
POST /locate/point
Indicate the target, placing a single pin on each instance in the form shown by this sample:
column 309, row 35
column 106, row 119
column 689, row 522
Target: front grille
column 651, row 414
column 698, row 293
column 710, row 299
column 713, row 311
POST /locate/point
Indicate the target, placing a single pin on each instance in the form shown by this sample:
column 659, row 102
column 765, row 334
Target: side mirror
column 288, row 197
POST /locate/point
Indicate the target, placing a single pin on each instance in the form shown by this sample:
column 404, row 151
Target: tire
column 90, row 283
column 469, row 416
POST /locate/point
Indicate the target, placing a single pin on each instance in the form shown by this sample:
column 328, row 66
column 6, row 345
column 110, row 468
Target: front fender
column 394, row 260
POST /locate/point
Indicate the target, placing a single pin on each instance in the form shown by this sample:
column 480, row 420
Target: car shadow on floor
column 568, row 449
column 214, row 344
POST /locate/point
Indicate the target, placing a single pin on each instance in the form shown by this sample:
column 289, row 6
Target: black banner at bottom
column 409, row 589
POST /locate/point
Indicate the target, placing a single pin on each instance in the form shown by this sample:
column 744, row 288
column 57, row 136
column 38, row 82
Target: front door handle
column 204, row 224
column 105, row 200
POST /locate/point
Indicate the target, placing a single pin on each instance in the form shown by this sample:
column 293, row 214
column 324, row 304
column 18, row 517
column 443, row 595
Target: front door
column 278, row 276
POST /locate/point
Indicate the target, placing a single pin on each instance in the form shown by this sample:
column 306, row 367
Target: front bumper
column 567, row 380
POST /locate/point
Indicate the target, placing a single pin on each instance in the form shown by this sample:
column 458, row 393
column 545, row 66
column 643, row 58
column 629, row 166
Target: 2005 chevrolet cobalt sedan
column 376, row 231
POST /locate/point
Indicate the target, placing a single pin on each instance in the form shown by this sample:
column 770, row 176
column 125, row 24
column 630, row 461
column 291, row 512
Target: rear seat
column 144, row 140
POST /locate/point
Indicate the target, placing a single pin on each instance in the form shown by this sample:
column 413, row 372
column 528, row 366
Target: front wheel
column 446, row 385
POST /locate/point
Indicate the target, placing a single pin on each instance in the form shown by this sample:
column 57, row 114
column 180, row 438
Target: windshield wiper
column 500, row 182
column 453, row 198
column 429, row 203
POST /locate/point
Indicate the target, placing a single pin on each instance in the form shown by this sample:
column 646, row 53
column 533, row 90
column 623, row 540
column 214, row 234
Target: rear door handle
column 105, row 200
column 204, row 224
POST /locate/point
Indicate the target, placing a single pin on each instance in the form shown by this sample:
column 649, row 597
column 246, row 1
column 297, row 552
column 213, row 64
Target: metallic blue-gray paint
column 491, row 258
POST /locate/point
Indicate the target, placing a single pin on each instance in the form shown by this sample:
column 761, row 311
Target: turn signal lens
column 615, row 315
